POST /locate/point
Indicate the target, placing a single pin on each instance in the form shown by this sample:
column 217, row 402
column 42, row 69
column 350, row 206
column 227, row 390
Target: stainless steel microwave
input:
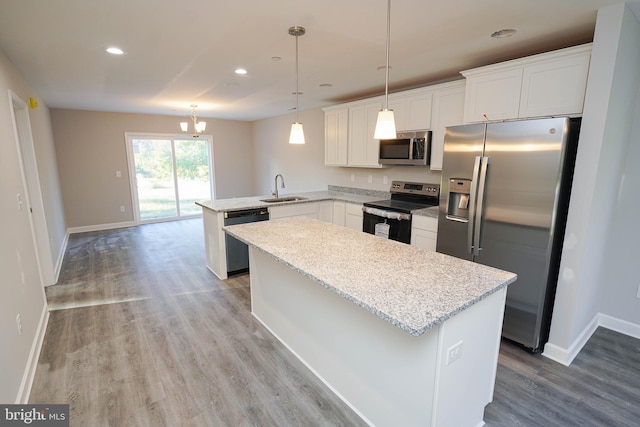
column 408, row 148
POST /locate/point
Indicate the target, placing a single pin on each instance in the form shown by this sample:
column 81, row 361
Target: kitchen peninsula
column 405, row 336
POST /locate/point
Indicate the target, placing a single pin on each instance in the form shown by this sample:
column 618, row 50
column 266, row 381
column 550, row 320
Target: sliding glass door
column 169, row 175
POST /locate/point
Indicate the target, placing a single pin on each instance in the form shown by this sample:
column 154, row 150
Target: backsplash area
column 379, row 179
column 360, row 191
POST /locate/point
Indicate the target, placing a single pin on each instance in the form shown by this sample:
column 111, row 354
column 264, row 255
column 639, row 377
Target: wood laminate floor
column 142, row 334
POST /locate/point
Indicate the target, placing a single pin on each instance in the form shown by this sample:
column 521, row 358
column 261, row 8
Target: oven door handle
column 386, row 214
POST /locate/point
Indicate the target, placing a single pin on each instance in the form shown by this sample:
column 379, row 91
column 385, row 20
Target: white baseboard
column 619, row 325
column 566, row 355
column 101, row 227
column 32, row 361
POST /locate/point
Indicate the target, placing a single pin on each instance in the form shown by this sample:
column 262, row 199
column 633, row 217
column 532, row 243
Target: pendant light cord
column 297, row 79
column 386, row 80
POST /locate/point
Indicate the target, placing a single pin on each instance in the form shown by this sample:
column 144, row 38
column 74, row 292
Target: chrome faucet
column 275, row 193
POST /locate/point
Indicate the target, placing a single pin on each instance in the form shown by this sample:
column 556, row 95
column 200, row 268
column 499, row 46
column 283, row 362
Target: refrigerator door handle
column 478, row 218
column 472, row 203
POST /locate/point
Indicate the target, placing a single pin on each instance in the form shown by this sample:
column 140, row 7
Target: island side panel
column 214, row 242
column 465, row 384
column 385, row 374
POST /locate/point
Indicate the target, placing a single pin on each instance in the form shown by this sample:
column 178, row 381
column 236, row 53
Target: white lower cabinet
column 325, row 211
column 353, row 216
column 310, row 210
column 424, row 232
column 339, row 212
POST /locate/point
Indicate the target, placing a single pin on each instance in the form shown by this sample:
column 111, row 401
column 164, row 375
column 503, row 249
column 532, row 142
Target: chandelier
column 198, row 127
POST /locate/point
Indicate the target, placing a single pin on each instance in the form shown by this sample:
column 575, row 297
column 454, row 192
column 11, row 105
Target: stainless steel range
column 391, row 218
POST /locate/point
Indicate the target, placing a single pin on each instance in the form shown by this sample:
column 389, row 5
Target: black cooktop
column 409, row 196
column 401, row 205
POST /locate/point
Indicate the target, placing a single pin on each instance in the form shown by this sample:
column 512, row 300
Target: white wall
column 586, row 272
column 621, row 283
column 21, row 291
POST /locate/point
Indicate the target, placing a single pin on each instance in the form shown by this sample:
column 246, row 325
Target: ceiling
column 185, row 52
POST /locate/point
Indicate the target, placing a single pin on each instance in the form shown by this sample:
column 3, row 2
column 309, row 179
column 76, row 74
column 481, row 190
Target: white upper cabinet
column 548, row 84
column 336, row 132
column 363, row 148
column 448, row 110
column 493, row 95
column 412, row 109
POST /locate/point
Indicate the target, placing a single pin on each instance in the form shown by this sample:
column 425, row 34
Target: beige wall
column 91, row 147
column 302, row 166
column 21, row 290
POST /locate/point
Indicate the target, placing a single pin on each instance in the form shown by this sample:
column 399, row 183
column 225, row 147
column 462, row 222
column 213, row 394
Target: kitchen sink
column 283, row 199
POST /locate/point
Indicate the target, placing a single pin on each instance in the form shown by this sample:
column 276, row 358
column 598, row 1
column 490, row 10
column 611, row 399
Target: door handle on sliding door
column 478, row 218
column 472, row 203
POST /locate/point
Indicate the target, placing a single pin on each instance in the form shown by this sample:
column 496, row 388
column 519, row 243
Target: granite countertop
column 411, row 288
column 240, row 203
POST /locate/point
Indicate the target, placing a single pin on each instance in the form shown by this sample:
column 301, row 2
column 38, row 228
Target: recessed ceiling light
column 501, row 34
column 276, row 58
column 115, row 50
column 384, row 67
column 325, row 85
column 241, row 71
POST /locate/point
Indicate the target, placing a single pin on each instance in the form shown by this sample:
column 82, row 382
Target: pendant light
column 297, row 134
column 198, row 127
column 386, row 124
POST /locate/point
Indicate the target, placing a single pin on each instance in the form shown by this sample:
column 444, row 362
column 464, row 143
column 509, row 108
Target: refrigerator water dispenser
column 458, row 206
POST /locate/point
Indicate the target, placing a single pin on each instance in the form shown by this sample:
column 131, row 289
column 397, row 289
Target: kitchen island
column 404, row 336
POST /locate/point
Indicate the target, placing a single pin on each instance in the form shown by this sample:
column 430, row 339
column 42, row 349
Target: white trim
column 566, row 356
column 58, row 266
column 129, row 137
column 32, row 361
column 33, row 202
column 619, row 325
column 100, row 227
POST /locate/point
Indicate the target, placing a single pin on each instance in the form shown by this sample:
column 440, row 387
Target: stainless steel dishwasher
column 237, row 251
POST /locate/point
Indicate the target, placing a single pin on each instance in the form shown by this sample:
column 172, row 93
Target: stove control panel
column 415, row 188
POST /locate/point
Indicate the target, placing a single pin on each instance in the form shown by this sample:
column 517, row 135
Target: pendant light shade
column 386, row 124
column 297, row 133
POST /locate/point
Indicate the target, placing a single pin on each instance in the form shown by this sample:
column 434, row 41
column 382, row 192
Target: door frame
column 129, row 137
column 31, row 186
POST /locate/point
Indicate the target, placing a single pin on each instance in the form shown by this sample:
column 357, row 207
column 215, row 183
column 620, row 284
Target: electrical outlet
column 20, row 202
column 118, row 174
column 121, row 208
column 353, row 177
column 19, row 324
column 385, row 179
column 370, row 179
column 454, row 352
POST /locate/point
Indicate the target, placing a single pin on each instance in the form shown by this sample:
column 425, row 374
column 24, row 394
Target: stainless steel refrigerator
column 504, row 198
